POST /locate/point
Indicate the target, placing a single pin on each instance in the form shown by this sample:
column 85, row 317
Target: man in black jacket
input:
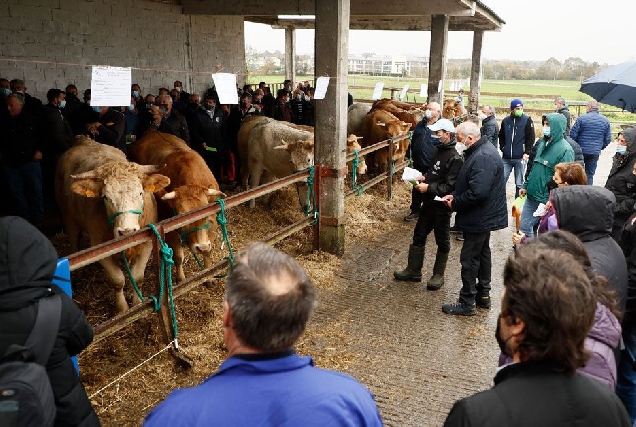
column 173, row 122
column 489, row 127
column 21, row 145
column 480, row 202
column 27, row 264
column 561, row 108
column 110, row 129
column 208, row 135
column 547, row 311
column 434, row 216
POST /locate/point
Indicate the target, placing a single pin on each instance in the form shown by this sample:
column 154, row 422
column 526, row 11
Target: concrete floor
column 415, row 359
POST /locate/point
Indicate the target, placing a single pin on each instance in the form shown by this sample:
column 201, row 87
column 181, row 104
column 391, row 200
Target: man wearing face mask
column 208, row 135
column 434, row 216
column 310, row 107
column 516, row 138
column 297, row 106
column 422, row 150
column 110, row 128
column 551, row 150
column 31, row 103
column 621, row 180
column 234, row 121
column 547, row 311
column 489, row 127
column 133, row 120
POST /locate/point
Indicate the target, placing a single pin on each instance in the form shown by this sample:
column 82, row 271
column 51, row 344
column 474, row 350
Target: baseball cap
column 443, row 124
column 515, row 103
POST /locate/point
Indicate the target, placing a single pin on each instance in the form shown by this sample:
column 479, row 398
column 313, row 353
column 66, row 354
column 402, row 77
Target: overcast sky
column 593, row 30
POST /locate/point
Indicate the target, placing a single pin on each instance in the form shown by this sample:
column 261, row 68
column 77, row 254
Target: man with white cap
column 434, row 216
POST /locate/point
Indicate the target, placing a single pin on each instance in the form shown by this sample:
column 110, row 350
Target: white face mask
column 482, row 116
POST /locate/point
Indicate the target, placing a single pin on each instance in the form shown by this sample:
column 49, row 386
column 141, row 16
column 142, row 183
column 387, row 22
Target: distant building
column 387, row 65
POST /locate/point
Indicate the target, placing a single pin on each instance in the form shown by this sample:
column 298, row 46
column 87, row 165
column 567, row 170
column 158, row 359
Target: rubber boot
column 437, row 279
column 413, row 272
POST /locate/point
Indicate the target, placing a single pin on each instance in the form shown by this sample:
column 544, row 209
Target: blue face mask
column 63, row 104
column 621, row 149
column 436, row 140
column 148, row 106
column 131, row 107
column 546, row 131
column 135, row 94
column 97, row 109
column 6, row 91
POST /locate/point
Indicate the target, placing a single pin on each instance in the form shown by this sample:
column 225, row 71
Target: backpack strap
column 47, row 323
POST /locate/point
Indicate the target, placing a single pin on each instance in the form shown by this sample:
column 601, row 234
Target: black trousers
column 436, row 218
column 476, row 266
column 416, row 200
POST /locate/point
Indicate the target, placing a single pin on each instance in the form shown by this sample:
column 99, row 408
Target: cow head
column 122, row 186
column 353, row 145
column 392, row 129
column 451, row 109
column 187, row 198
column 301, row 153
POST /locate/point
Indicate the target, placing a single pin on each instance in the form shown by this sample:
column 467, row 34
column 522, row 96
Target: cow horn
column 169, row 196
column 381, row 124
column 148, row 169
column 359, row 137
column 89, row 174
column 213, row 192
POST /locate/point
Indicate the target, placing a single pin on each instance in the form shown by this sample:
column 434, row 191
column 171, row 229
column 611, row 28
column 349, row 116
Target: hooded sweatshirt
column 587, row 212
column 550, row 151
column 622, row 183
column 27, row 264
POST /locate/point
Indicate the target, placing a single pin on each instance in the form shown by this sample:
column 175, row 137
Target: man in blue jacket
column 516, row 138
column 480, row 202
column 592, row 132
column 268, row 301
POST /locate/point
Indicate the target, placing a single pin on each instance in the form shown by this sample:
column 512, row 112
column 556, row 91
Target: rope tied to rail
column 184, row 239
column 311, row 196
column 221, row 220
column 411, row 149
column 359, row 188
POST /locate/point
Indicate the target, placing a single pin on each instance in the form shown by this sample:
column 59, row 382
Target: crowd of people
column 34, row 135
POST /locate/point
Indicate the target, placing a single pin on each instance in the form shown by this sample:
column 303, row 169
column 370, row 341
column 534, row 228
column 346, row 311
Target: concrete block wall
column 51, row 43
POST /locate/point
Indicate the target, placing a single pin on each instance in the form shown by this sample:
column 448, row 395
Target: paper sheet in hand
column 404, row 89
column 225, row 84
column 410, row 175
column 423, row 91
column 321, row 87
column 438, row 199
column 540, row 210
column 377, row 92
column 110, row 86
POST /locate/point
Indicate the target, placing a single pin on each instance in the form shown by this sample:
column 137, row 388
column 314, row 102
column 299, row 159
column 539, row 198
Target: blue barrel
column 62, row 278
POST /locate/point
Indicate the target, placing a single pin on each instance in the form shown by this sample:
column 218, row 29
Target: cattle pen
column 156, row 235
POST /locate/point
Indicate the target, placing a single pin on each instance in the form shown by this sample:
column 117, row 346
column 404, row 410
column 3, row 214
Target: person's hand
column 448, row 201
column 422, row 187
column 37, row 156
column 93, row 128
column 522, row 192
column 420, row 179
column 204, row 145
column 517, row 237
column 526, row 156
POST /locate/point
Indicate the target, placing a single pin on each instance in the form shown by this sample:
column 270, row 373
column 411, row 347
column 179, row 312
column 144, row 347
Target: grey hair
column 271, row 298
column 490, row 109
column 560, row 100
column 18, row 97
column 469, row 129
column 161, row 97
column 592, row 104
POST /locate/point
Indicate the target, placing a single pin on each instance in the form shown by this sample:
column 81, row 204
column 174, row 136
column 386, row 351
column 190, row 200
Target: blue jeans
column 25, row 188
column 528, row 223
column 626, row 381
column 517, row 164
column 591, row 161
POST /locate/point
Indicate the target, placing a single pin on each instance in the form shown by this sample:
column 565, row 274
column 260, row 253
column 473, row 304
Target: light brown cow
column 354, row 145
column 105, row 196
column 379, row 126
column 393, row 106
column 192, row 185
column 451, row 109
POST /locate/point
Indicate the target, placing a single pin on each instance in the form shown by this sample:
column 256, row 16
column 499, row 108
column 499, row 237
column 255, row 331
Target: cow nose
column 121, row 231
column 203, row 247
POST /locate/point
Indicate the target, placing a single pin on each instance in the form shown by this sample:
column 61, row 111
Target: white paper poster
column 322, row 83
column 440, row 86
column 423, row 91
column 377, row 92
column 225, row 84
column 110, row 86
column 404, row 89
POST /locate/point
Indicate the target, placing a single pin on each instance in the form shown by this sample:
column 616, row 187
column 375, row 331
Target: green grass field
column 536, row 94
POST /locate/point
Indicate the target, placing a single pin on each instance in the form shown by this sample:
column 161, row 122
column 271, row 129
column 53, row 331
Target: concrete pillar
column 437, row 58
column 331, row 53
column 290, row 54
column 475, row 72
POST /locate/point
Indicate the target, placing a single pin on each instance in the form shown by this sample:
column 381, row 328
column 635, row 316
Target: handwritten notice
column 404, row 89
column 225, row 84
column 322, row 83
column 110, row 86
column 377, row 92
column 423, row 91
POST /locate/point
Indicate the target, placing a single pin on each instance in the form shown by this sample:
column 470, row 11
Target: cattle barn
column 50, row 44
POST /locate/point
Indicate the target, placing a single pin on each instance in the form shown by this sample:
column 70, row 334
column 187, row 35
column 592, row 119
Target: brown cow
column 393, row 106
column 354, row 145
column 379, row 126
column 105, row 196
column 451, row 109
column 192, row 186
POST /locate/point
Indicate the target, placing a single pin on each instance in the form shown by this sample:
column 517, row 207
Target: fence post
column 389, row 184
column 317, row 190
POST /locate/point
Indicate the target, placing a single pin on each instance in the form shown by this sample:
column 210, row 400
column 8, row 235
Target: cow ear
column 154, row 182
column 307, row 145
column 88, row 187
